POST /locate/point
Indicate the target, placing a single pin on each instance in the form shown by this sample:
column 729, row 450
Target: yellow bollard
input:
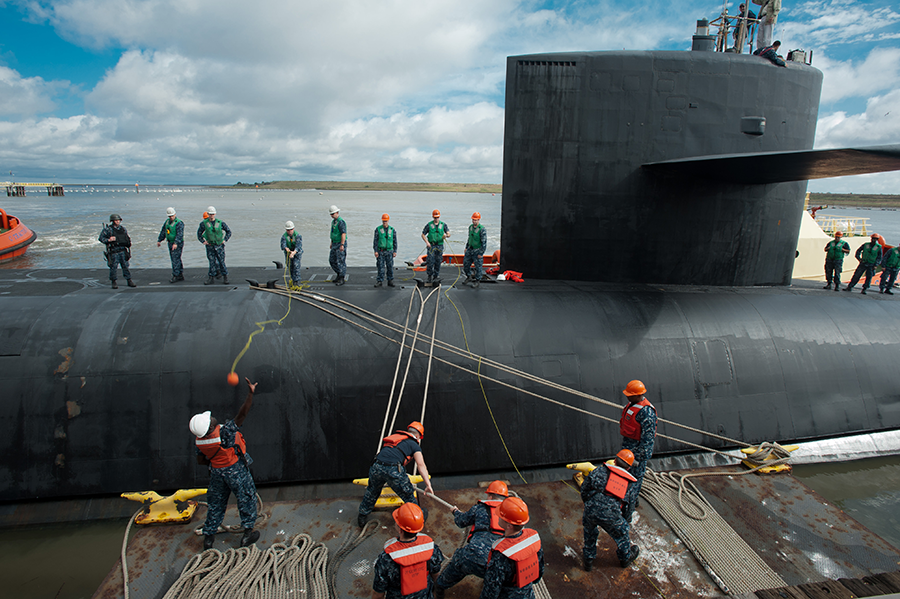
column 177, row 508
column 388, row 499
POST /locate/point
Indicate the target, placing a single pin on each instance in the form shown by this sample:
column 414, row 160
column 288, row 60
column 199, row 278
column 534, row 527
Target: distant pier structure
column 17, row 190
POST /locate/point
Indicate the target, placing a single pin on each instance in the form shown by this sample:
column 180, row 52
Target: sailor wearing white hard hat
column 338, row 255
column 173, row 233
column 292, row 246
column 213, row 233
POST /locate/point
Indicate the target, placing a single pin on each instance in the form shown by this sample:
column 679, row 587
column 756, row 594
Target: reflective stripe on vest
column 213, row 232
column 335, row 230
column 617, row 483
column 219, row 456
column 172, row 230
column 475, row 236
column 523, row 551
column 628, row 426
column 386, row 238
column 493, row 506
column 412, row 557
column 436, row 233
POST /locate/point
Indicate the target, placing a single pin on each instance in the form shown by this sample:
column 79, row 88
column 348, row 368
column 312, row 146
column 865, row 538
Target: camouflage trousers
column 338, row 259
column 116, row 259
column 433, row 261
column 605, row 512
column 469, row 559
column 222, row 482
column 293, row 265
column 175, row 257
column 474, row 257
column 385, row 264
column 395, row 477
column 216, row 256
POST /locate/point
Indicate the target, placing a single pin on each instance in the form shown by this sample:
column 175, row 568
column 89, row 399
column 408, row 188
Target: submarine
column 684, row 171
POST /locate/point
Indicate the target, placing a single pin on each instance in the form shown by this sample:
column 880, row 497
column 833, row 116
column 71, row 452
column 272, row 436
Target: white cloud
column 26, row 97
column 879, row 71
column 822, row 24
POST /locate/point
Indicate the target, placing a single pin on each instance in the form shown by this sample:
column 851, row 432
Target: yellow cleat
column 175, row 509
column 388, row 499
column 777, row 469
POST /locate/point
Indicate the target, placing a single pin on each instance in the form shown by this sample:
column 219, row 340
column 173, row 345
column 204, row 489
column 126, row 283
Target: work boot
column 390, row 282
column 378, row 283
column 588, row 564
column 115, row 285
column 475, row 284
column 339, row 281
column 837, row 287
column 208, row 541
column 225, row 280
column 209, row 281
column 218, row 275
column 828, row 286
column 848, row 288
column 863, row 292
column 632, row 555
column 361, row 520
column 889, row 292
column 250, row 536
column 174, row 279
column 131, row 283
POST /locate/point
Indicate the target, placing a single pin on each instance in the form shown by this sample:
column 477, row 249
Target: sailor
column 516, row 561
column 385, row 246
column 388, row 468
column 292, row 246
column 638, row 428
column 410, row 561
column 485, row 529
column 869, row 255
column 834, row 260
column 338, row 256
column 771, row 53
column 173, row 233
column 118, row 249
column 213, row 233
column 768, row 15
column 434, row 234
column 891, row 266
column 609, row 494
column 223, row 449
column 477, row 242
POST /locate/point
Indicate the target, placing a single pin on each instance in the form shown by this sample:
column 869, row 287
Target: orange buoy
column 233, row 379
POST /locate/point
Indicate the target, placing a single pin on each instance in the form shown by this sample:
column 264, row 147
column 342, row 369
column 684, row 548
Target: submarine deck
column 798, row 534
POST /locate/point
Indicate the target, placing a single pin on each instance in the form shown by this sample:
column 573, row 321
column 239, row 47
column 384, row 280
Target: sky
column 221, row 91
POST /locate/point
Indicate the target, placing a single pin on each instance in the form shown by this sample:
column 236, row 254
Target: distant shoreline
column 852, row 200
column 374, row 186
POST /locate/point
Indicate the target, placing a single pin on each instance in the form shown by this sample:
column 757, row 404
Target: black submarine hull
column 99, row 386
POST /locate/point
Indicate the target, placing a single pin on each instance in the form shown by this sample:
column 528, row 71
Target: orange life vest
column 493, row 506
column 617, row 483
column 395, row 439
column 628, row 426
column 412, row 557
column 523, row 551
column 218, row 456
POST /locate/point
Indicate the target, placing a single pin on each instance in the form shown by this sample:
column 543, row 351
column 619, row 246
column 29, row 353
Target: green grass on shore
column 852, row 200
column 375, row 186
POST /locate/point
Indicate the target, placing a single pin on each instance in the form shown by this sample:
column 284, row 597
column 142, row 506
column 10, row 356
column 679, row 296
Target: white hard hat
column 211, row 210
column 333, row 209
column 170, row 211
column 200, row 424
column 289, row 225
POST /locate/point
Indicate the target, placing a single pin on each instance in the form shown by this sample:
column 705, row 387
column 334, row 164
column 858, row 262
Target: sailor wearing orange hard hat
column 385, row 247
column 388, row 468
column 609, row 494
column 638, row 428
column 223, row 449
column 517, row 560
column 410, row 561
column 475, row 248
column 434, row 234
column 485, row 529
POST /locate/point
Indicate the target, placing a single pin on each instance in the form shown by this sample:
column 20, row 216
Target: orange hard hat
column 626, row 456
column 838, row 233
column 635, row 387
column 418, row 426
column 476, row 215
column 498, row 487
column 385, row 216
column 435, row 213
column 205, row 215
column 514, row 511
column 409, row 517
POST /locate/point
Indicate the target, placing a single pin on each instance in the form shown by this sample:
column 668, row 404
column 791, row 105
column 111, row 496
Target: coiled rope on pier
column 283, row 571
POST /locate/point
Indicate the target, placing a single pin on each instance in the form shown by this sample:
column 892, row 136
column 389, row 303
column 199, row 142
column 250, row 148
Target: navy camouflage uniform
column 387, row 576
column 293, row 263
column 435, row 251
column 475, row 255
column 385, row 256
column 337, row 258
column 117, row 251
column 869, row 257
column 174, row 254
column 607, row 512
column 215, row 253
column 472, row 557
column 387, row 469
column 500, row 573
column 642, row 448
column 891, row 266
column 231, row 479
